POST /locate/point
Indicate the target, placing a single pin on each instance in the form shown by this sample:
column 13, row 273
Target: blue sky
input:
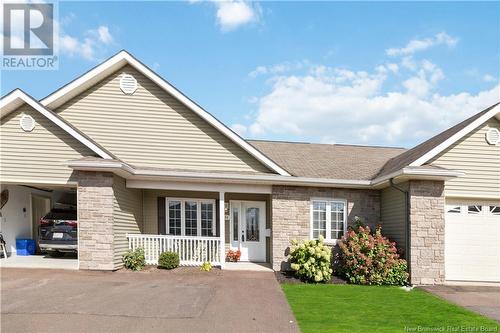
column 362, row 73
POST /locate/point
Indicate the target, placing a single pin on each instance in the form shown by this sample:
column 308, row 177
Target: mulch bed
column 289, row 278
column 153, row 269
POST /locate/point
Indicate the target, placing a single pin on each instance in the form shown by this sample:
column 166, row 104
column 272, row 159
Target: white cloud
column 104, row 35
column 489, row 78
column 416, row 45
column 239, row 129
column 232, row 14
column 90, row 46
column 278, row 68
column 331, row 104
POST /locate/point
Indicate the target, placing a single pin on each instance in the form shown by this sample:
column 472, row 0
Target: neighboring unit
column 145, row 166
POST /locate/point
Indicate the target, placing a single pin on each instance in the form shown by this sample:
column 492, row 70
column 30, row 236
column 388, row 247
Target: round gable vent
column 27, row 123
column 493, row 136
column 128, row 84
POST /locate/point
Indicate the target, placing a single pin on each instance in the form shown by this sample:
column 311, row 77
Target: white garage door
column 472, row 241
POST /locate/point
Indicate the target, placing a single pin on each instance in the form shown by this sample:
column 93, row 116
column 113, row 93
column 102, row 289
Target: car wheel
column 55, row 254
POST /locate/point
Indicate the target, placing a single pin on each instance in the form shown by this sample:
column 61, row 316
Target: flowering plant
column 206, row 267
column 233, row 256
column 367, row 258
column 310, row 260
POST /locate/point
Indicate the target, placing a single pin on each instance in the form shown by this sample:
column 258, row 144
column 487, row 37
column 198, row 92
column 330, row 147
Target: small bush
column 168, row 260
column 206, row 267
column 233, row 256
column 367, row 258
column 310, row 260
column 134, row 260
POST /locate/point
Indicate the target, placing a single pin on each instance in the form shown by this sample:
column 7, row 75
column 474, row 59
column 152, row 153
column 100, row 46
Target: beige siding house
column 148, row 167
column 30, row 156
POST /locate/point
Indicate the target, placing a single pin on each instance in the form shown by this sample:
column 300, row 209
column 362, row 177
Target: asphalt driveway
column 483, row 300
column 182, row 300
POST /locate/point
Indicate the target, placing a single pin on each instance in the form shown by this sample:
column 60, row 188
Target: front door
column 248, row 229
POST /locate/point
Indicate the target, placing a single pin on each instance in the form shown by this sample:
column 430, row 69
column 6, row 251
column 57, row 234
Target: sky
column 387, row 73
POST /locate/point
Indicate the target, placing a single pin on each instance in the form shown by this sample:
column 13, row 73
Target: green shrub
column 168, row 260
column 134, row 260
column 367, row 258
column 206, row 267
column 311, row 260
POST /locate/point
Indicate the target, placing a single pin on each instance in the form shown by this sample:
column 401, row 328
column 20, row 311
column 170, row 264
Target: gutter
column 406, row 193
column 418, row 173
column 129, row 172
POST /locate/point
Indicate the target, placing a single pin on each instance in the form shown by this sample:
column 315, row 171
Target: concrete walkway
column 483, row 300
column 182, row 300
column 39, row 261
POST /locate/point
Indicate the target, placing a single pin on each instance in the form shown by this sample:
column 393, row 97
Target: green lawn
column 349, row 308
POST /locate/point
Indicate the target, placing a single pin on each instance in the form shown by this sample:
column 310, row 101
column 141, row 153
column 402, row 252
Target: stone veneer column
column 291, row 214
column 95, row 215
column 427, row 231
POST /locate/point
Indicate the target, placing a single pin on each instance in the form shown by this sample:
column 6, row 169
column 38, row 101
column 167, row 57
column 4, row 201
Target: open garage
column 39, row 226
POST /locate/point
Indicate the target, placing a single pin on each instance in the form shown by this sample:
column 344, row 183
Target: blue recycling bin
column 25, row 247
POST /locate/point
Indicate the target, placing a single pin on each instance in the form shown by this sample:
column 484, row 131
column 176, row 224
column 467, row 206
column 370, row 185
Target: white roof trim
column 18, row 97
column 123, row 57
column 418, row 173
column 454, row 138
column 129, row 172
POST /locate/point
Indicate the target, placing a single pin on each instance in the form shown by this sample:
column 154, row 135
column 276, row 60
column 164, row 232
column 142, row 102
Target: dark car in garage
column 58, row 232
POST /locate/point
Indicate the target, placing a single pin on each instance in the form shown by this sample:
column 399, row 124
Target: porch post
column 222, row 227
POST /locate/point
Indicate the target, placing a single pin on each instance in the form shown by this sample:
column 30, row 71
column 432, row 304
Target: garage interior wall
column 16, row 216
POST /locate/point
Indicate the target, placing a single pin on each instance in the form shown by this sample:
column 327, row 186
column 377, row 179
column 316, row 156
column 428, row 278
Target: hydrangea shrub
column 367, row 258
column 134, row 260
column 311, row 260
column 168, row 260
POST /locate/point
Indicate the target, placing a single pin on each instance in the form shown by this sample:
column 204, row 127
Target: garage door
column 472, row 241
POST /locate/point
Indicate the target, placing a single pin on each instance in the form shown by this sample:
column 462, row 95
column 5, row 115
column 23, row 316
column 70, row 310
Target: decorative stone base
column 291, row 214
column 427, row 231
column 95, row 217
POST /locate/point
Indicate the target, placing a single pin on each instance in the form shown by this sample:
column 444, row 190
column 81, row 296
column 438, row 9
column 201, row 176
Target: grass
column 349, row 308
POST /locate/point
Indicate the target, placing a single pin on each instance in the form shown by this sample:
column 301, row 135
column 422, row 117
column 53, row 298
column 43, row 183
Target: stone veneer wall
column 95, row 219
column 291, row 214
column 427, row 231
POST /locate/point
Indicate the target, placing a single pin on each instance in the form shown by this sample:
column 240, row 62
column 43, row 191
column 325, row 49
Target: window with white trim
column 328, row 218
column 190, row 217
column 174, row 224
column 474, row 209
column 495, row 210
column 454, row 209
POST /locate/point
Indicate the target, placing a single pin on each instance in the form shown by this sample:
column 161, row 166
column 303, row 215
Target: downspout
column 407, row 225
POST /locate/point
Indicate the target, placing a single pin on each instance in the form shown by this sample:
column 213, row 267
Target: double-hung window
column 190, row 217
column 328, row 218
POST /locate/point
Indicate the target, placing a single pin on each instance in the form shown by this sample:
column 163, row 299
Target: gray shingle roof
column 332, row 161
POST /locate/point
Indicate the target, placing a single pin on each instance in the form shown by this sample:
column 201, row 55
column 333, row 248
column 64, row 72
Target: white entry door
column 248, row 229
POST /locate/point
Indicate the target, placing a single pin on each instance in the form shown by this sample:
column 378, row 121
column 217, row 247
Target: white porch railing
column 192, row 250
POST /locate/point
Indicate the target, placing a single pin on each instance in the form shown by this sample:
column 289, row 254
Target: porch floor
column 248, row 266
column 40, row 261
